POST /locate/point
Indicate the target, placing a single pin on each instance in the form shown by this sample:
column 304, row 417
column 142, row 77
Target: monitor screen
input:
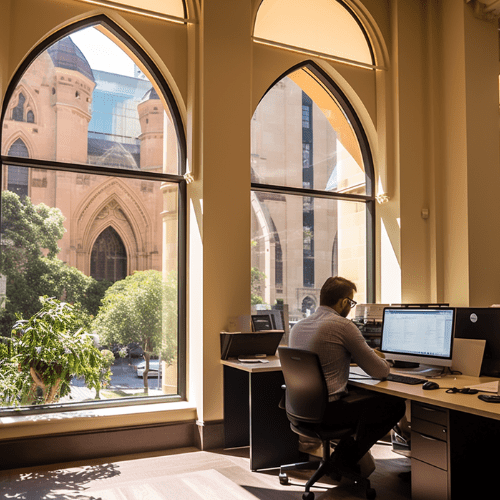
column 423, row 335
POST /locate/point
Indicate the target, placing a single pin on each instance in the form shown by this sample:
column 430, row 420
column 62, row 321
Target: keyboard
column 404, row 379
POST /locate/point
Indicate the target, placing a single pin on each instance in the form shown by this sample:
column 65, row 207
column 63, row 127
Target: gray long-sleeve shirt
column 337, row 341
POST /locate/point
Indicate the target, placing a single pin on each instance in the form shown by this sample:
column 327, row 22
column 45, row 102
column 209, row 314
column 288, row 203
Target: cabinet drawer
column 427, row 482
column 429, row 413
column 437, row 431
column 429, row 449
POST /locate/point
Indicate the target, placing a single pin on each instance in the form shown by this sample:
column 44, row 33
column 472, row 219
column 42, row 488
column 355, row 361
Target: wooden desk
column 252, row 392
column 455, row 437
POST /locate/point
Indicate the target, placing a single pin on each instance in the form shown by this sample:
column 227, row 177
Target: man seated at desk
column 338, row 342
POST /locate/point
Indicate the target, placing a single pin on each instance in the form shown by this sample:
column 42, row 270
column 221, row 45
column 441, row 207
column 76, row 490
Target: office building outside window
column 312, row 200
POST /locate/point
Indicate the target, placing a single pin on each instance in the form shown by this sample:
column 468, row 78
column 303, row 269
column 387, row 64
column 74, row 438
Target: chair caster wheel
column 308, row 495
column 283, row 478
column 371, row 493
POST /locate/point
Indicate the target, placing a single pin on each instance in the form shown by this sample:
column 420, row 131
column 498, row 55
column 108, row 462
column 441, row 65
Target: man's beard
column 345, row 311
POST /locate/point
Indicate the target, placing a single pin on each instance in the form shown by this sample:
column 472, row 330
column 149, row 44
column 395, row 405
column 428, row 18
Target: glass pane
column 301, row 138
column 84, row 100
column 108, row 246
column 297, row 243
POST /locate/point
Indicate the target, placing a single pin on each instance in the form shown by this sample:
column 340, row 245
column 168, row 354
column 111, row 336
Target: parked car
column 134, row 350
column 154, row 367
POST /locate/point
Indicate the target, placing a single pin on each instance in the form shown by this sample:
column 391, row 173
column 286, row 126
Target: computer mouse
column 429, row 386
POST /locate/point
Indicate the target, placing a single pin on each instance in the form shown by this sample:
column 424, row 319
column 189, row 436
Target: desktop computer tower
column 481, row 323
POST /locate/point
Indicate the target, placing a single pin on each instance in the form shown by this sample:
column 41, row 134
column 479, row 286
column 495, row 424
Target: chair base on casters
column 326, row 466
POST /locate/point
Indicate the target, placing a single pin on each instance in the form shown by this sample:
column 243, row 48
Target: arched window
column 18, row 148
column 18, row 111
column 106, row 190
column 108, row 260
column 17, row 177
column 312, row 176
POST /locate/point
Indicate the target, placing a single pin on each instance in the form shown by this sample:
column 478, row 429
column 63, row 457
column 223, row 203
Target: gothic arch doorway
column 108, row 260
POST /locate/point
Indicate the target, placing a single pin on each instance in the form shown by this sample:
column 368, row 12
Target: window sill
column 21, row 426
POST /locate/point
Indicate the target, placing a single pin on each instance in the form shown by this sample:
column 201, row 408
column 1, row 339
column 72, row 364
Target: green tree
column 28, row 259
column 141, row 308
column 47, row 350
column 256, row 277
column 105, row 376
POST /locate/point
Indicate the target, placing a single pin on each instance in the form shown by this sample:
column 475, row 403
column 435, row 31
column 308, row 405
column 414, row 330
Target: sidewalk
column 78, row 394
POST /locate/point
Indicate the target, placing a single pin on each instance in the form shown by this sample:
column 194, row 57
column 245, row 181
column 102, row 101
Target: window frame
column 179, row 179
column 368, row 199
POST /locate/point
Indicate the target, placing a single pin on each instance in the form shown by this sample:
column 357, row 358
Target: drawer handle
column 429, row 409
column 429, row 438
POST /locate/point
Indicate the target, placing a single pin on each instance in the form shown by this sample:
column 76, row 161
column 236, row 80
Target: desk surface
column 468, row 403
column 272, row 366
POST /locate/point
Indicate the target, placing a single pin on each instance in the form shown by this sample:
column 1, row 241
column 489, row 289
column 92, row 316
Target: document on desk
column 487, row 387
column 244, row 359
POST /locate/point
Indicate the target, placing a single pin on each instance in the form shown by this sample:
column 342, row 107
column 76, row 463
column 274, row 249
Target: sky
column 101, row 53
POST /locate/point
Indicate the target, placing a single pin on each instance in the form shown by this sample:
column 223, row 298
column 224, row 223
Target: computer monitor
column 482, row 323
column 420, row 335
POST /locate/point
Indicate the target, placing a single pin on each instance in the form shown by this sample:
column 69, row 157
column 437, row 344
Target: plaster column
column 471, row 170
column 220, row 198
column 413, row 158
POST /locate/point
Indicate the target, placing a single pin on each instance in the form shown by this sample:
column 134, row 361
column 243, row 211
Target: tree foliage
column 133, row 310
column 30, row 236
column 256, row 277
column 47, row 350
column 141, row 308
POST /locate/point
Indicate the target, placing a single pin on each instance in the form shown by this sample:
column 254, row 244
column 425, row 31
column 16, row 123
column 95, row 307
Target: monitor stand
column 405, row 364
column 419, row 370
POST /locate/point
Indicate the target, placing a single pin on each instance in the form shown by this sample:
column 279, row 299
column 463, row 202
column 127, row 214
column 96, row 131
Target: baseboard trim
column 84, row 445
column 209, row 435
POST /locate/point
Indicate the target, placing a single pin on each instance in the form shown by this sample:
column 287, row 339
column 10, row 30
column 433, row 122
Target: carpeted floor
column 190, row 474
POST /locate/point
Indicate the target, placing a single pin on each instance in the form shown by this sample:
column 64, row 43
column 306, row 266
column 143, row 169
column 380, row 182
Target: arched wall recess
column 328, row 29
column 377, row 127
column 166, row 10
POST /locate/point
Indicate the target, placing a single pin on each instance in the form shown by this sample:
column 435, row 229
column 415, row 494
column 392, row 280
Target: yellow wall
column 430, row 114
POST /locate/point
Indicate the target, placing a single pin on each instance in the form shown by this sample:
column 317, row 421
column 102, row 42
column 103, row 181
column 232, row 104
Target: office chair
column 306, row 396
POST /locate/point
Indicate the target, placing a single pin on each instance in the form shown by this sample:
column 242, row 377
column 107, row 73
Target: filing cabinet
column 430, row 454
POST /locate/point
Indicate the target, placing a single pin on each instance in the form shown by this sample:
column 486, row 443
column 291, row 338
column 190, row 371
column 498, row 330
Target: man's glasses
column 352, row 302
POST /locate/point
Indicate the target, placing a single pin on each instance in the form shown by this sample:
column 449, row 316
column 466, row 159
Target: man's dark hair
column 334, row 289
